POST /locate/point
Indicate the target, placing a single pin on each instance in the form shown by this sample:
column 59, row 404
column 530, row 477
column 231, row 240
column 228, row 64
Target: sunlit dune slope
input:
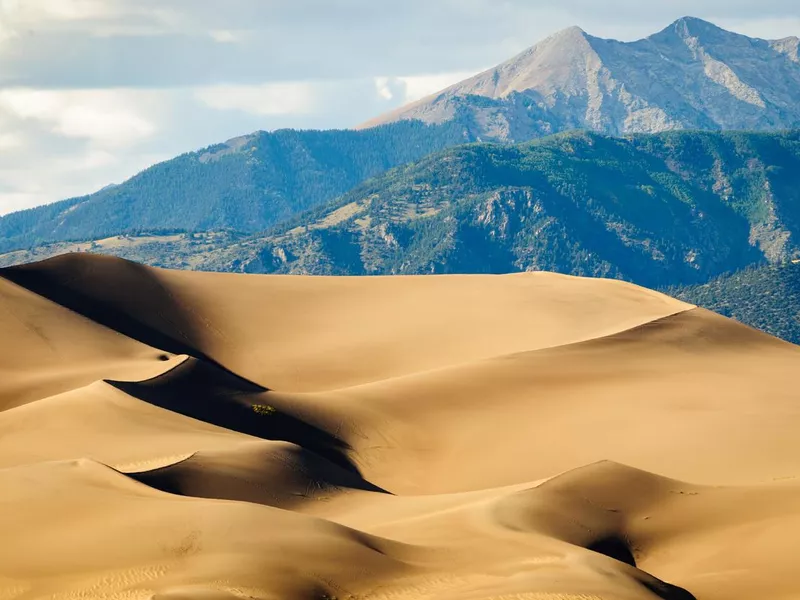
column 176, row 435
column 316, row 333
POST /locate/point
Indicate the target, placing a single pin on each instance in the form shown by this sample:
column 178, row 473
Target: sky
column 94, row 91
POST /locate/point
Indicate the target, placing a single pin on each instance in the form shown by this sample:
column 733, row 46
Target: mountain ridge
column 571, row 80
column 246, row 184
column 692, row 74
column 656, row 209
column 663, row 209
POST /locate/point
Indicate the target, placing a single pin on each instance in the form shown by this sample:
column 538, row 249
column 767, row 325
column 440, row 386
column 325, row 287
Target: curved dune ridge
column 175, row 435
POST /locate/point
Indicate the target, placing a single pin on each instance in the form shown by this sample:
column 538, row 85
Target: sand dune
column 526, row 437
column 47, row 349
column 309, row 333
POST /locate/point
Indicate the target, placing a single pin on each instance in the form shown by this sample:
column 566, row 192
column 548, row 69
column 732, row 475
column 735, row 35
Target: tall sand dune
column 174, row 435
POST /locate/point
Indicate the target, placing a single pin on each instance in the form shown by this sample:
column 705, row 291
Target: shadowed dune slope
column 693, row 396
column 173, row 435
column 47, row 348
column 315, row 333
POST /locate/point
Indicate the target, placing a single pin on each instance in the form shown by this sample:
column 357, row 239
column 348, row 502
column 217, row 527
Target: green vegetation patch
column 264, row 410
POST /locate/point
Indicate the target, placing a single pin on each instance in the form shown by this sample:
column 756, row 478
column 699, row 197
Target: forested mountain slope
column 667, row 209
column 766, row 297
column 246, row 184
column 673, row 208
column 691, row 75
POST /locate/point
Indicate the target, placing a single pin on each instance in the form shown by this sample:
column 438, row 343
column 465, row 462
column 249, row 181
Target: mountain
column 665, row 209
column 246, row 184
column 766, row 297
column 691, row 75
column 672, row 210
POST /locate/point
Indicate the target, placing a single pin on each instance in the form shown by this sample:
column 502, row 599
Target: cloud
column 9, row 141
column 294, row 98
column 224, row 36
column 385, row 87
column 33, row 11
column 419, row 86
column 63, row 143
column 170, row 43
column 83, row 15
column 319, row 103
column 97, row 115
column 413, row 87
column 92, row 91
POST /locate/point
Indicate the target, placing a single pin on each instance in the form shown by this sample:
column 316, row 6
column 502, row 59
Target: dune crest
column 169, row 435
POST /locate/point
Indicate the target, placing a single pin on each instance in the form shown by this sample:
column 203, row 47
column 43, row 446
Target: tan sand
column 525, row 437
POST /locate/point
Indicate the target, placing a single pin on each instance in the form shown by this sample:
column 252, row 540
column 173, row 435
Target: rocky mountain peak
column 693, row 25
column 690, row 75
column 569, row 34
column 690, row 30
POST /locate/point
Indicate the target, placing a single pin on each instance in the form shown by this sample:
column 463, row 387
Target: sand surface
column 177, row 435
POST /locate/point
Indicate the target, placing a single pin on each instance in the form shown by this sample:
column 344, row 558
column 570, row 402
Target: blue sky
column 93, row 91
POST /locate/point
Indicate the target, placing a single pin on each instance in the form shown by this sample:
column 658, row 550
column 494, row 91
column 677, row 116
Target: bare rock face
column 691, row 75
column 789, row 46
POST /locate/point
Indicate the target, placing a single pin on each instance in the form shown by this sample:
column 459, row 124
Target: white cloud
column 419, row 86
column 97, row 115
column 414, row 87
column 92, row 160
column 224, row 36
column 292, row 98
column 384, row 88
column 7, row 34
column 88, row 19
column 107, row 125
column 10, row 140
column 59, row 144
column 30, row 183
column 14, row 201
column 35, row 11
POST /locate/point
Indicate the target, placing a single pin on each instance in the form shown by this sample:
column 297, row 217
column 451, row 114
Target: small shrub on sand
column 264, row 410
